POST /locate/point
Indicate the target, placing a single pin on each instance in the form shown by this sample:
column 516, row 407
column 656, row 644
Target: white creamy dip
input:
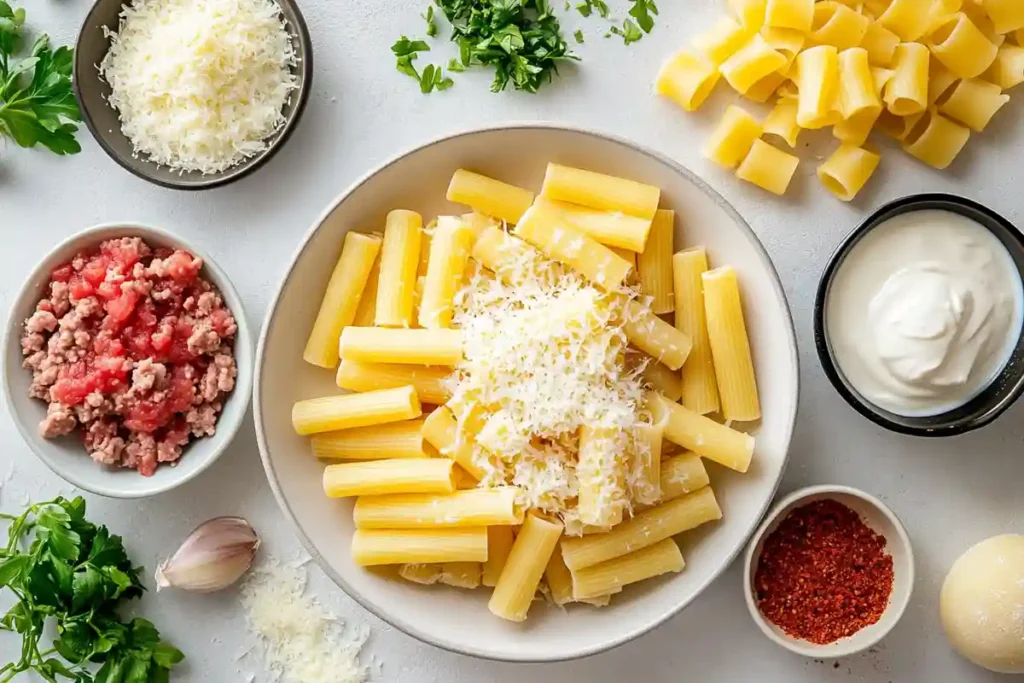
column 924, row 312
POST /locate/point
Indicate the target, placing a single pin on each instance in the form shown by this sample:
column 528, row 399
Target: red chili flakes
column 823, row 574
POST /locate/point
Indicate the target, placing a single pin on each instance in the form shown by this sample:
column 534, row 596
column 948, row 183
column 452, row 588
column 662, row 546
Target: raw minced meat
column 134, row 347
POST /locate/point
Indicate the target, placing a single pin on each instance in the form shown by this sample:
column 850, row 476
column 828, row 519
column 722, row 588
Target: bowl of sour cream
column 919, row 314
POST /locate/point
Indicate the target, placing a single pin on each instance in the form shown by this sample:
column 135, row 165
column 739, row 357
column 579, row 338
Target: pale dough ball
column 982, row 604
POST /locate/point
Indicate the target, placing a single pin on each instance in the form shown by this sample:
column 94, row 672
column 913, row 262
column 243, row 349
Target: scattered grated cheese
column 302, row 641
column 199, row 85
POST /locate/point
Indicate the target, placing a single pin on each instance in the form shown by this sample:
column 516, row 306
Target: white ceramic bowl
column 65, row 455
column 459, row 620
column 881, row 520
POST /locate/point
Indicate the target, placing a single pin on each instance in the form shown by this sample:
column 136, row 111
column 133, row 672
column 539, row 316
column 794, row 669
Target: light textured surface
column 950, row 494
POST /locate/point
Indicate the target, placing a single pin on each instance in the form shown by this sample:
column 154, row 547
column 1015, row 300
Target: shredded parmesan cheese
column 199, row 85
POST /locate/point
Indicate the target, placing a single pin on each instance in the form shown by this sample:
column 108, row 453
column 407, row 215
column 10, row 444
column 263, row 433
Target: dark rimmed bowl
column 91, row 91
column 999, row 395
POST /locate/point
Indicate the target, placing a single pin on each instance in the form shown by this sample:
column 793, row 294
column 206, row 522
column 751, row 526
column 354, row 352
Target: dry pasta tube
column 681, row 474
column 733, row 138
column 847, row 171
column 973, row 102
column 441, row 431
column 768, row 168
column 380, row 477
column 785, row 41
column 722, row 41
column 857, row 91
column 449, row 253
column 836, row 24
column 427, row 381
column 1007, row 71
column 818, row 83
column 897, row 127
column 794, row 14
column 699, row 388
column 708, row 438
column 961, row 47
column 602, row 485
column 906, row 93
column 781, row 121
column 754, row 61
column 855, row 130
column 940, row 81
column 488, row 196
column 610, row 228
column 524, row 568
column 907, row 18
column 472, row 507
column 654, row 264
column 330, row 413
column 418, row 546
column 750, row 13
column 936, row 140
column 762, row 91
column 341, row 300
column 499, row 545
column 981, row 20
column 600, row 191
column 687, row 79
column 1006, row 15
column 661, row 558
column 646, row 528
column 655, row 337
column 881, row 44
column 730, row 346
column 399, row 258
column 409, row 347
column 378, row 442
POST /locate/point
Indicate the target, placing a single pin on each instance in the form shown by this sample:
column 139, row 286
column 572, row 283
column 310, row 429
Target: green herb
column 432, row 77
column 429, row 17
column 642, row 11
column 75, row 573
column 455, row 65
column 630, row 32
column 588, row 6
column 578, row 36
column 36, row 102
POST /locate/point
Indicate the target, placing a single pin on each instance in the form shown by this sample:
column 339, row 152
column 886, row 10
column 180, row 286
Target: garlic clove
column 215, row 555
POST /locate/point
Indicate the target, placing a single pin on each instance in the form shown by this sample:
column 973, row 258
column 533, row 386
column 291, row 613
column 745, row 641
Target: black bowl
column 91, row 91
column 999, row 395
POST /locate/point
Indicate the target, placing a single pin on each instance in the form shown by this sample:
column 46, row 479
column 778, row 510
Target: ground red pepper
column 823, row 574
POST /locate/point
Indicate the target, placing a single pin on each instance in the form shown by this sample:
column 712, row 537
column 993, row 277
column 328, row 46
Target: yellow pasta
column 794, row 14
column 524, row 568
column 548, row 230
column 331, row 413
column 499, row 545
column 781, row 121
column 906, row 93
column 626, row 255
column 1006, row 15
column 857, row 92
column 687, row 79
column 768, row 168
column 733, row 138
column 750, row 13
column 472, row 507
column 940, row 81
column 730, row 346
column 610, row 228
column 341, row 300
column 722, row 41
column 880, row 43
column 961, row 47
column 818, row 74
column 441, row 430
column 681, row 474
column 377, row 442
column 655, row 337
column 425, row 574
column 846, row 172
column 661, row 558
column 488, row 196
column 380, row 477
column 428, row 231
column 449, row 253
column 762, row 91
column 1007, row 71
column 367, row 311
column 663, row 379
column 460, row 574
column 504, row 254
column 654, row 264
column 976, row 13
column 751, row 63
column 708, row 439
column 399, row 258
column 699, row 388
column 600, row 191
column 643, row 530
column 427, row 381
column 645, row 456
column 936, row 140
column 907, row 18
column 558, row 578
column 785, row 41
column 835, row 24
column 855, row 130
column 418, row 546
column 411, row 347
column 602, row 486
column 973, row 102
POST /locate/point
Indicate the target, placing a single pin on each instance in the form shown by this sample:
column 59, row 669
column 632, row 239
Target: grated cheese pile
column 199, row 85
column 544, row 356
column 303, row 643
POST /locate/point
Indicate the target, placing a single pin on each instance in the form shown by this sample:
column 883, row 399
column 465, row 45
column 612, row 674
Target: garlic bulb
column 213, row 556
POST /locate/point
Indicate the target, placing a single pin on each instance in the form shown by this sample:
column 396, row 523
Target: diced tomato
column 80, row 289
column 182, row 267
column 121, row 308
column 79, row 379
column 62, row 274
column 95, row 270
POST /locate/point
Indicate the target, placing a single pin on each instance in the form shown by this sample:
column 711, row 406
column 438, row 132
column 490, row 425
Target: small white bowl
column 881, row 520
column 65, row 455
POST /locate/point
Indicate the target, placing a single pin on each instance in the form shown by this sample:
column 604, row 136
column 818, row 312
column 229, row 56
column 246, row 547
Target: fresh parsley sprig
column 76, row 573
column 432, row 77
column 37, row 105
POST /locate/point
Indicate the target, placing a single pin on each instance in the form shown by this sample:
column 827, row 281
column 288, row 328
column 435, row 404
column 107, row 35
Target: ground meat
column 134, row 346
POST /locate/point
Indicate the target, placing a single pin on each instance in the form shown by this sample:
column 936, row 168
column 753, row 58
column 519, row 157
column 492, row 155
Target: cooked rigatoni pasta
column 600, row 579
column 411, row 347
column 488, row 196
column 663, row 379
column 687, row 79
column 330, row 413
column 786, row 41
column 601, row 476
column 367, row 311
column 781, row 121
column 655, row 337
column 341, row 300
column 473, row 507
column 524, row 567
column 1006, row 15
column 399, row 258
column 973, row 102
column 505, row 256
column 836, row 24
column 610, row 228
column 699, row 388
column 644, row 466
column 449, row 253
column 907, row 18
column 768, row 167
column 441, row 430
column 380, row 477
column 752, row 62
column 377, row 442
column 880, row 43
column 681, row 474
column 818, row 83
column 961, row 47
column 794, row 14
column 846, row 172
column 940, row 81
column 733, row 138
column 762, row 91
column 708, row 438
column 427, row 381
column 654, row 265
column 936, row 140
column 499, row 545
column 855, row 130
column 750, row 13
column 1007, row 71
column 559, row 578
column 730, row 346
column 906, row 93
column 600, row 191
column 418, row 546
column 722, row 41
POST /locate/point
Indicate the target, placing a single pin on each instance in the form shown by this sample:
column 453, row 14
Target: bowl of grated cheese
column 554, row 352
column 189, row 94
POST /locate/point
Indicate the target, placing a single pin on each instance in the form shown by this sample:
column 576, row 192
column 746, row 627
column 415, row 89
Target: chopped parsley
column 578, row 36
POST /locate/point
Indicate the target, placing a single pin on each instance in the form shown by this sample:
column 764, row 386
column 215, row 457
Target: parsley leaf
column 642, row 11
column 429, row 18
column 432, row 77
column 588, row 6
column 578, row 36
column 629, row 32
